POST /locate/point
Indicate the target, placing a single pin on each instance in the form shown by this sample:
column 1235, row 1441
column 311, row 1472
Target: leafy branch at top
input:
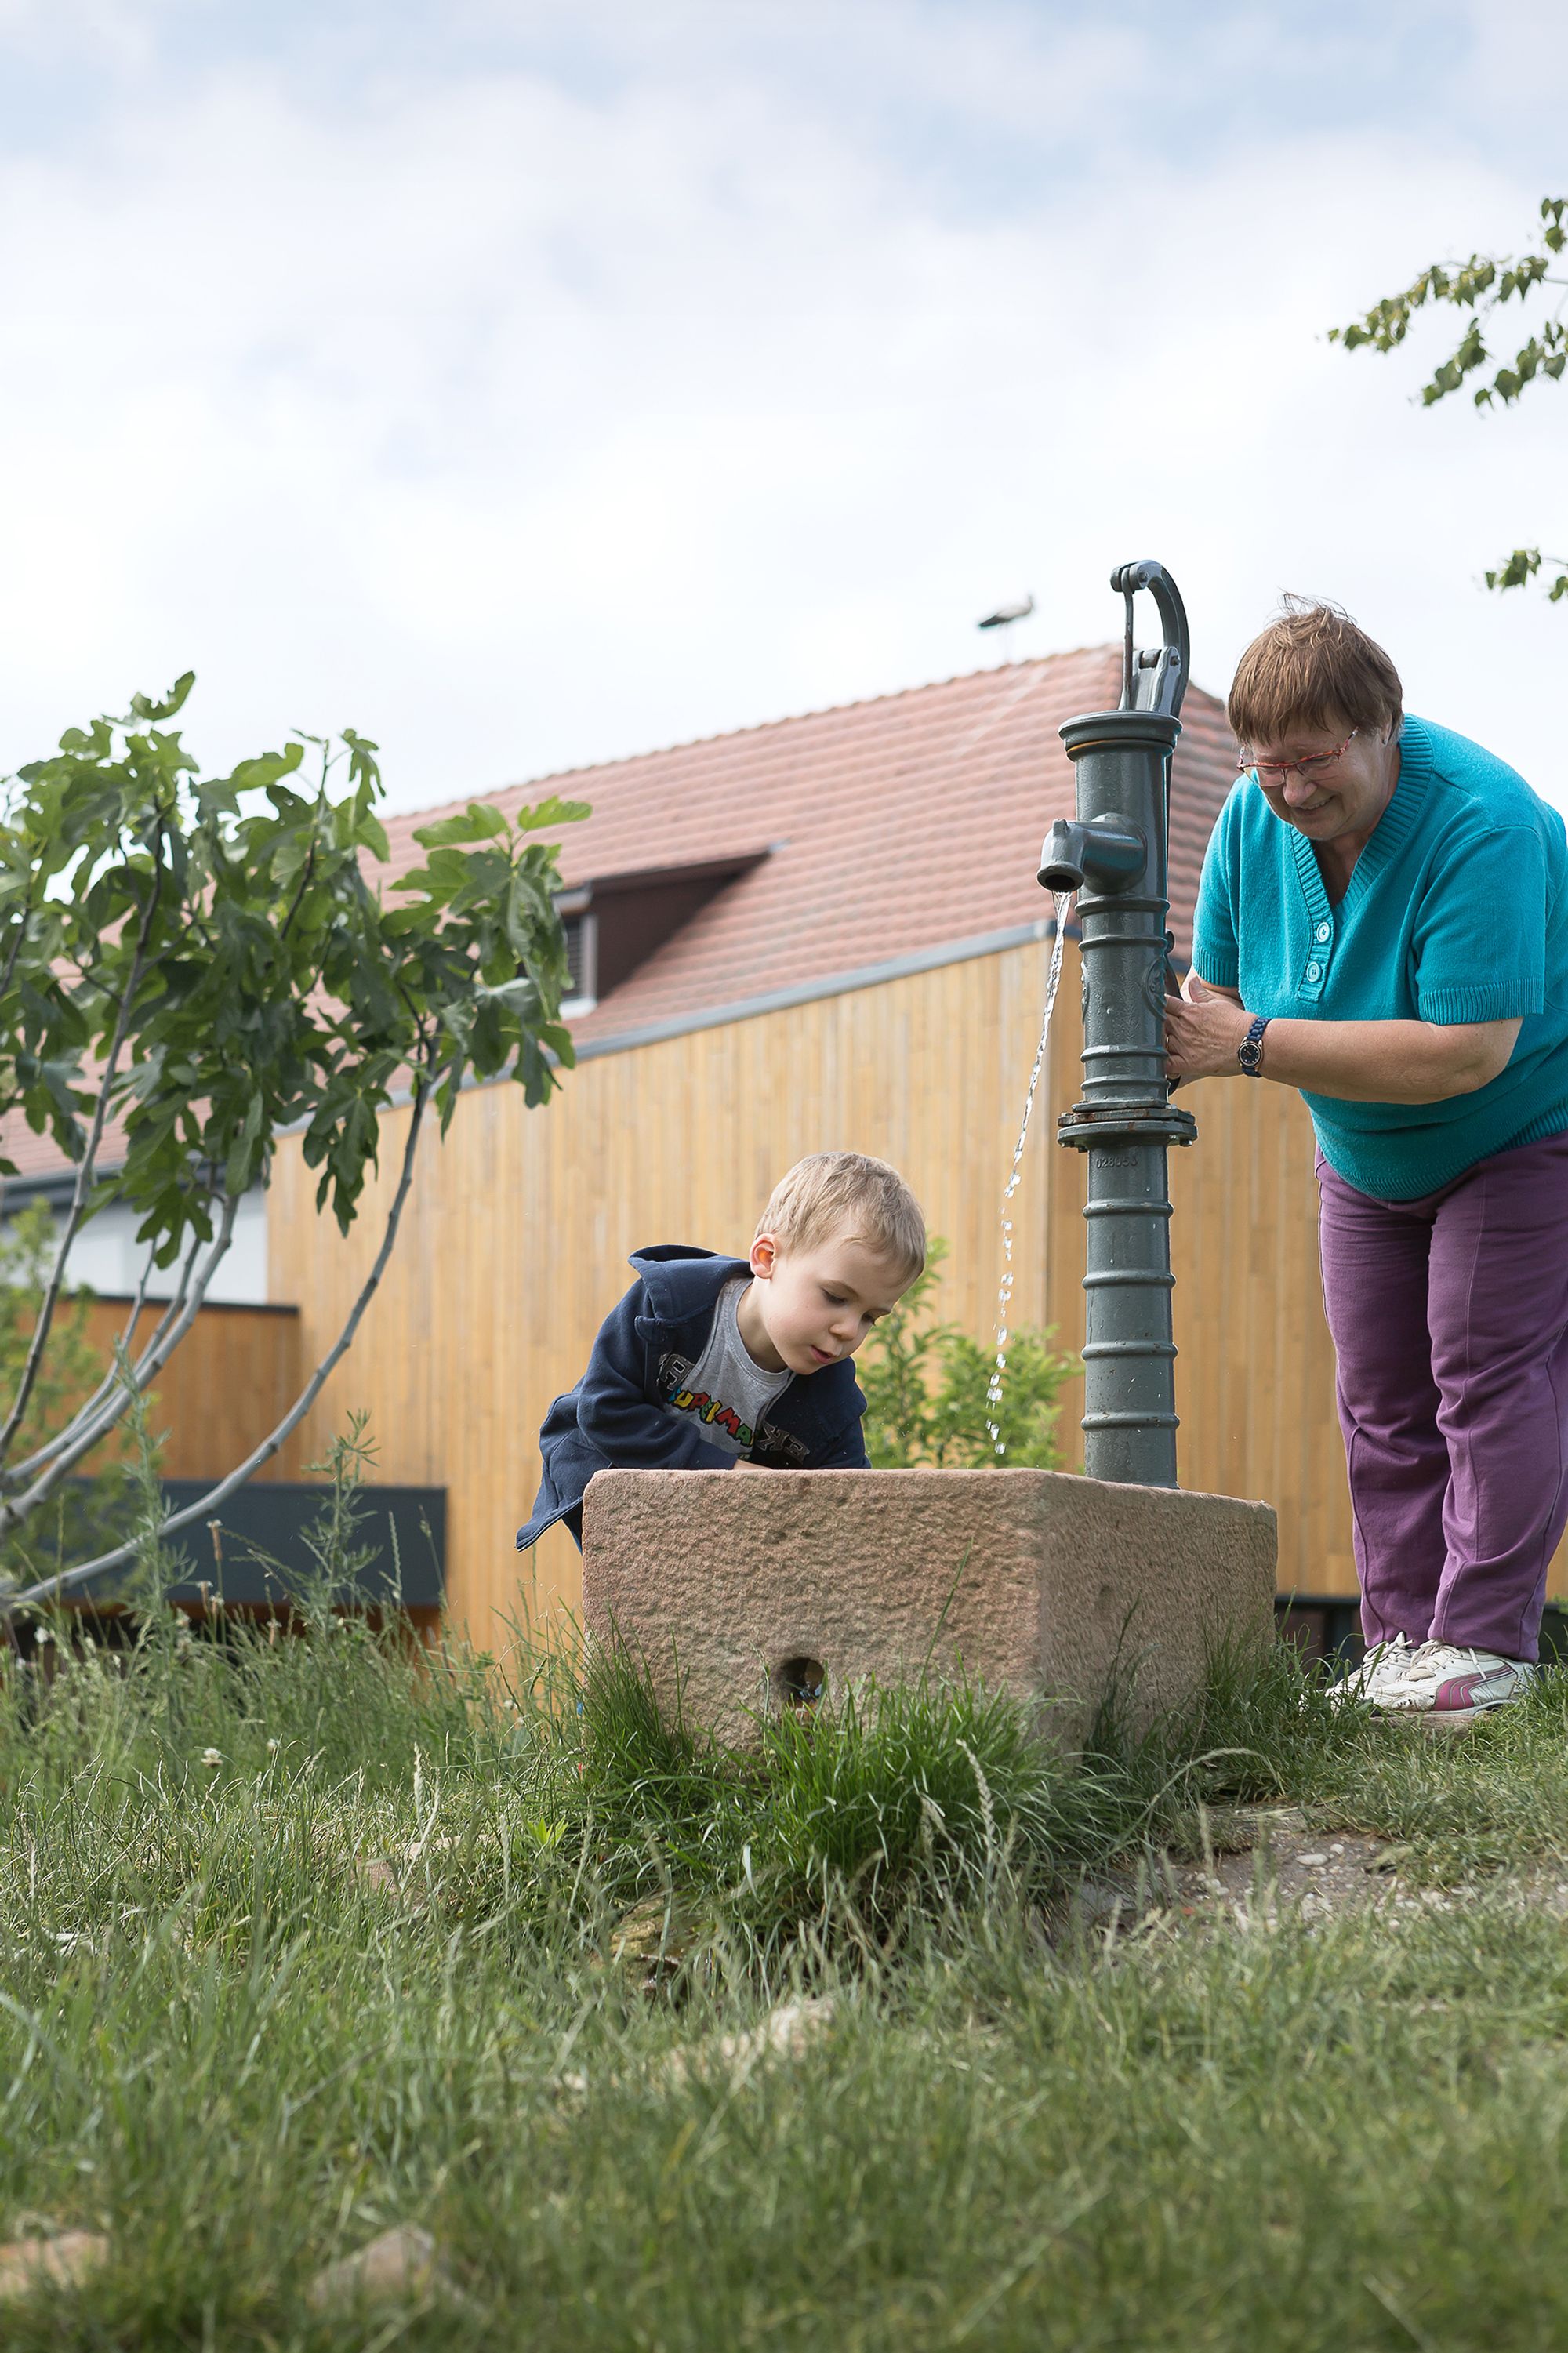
column 1482, row 286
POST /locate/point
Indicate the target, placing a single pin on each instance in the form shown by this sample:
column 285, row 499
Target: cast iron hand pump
column 1114, row 857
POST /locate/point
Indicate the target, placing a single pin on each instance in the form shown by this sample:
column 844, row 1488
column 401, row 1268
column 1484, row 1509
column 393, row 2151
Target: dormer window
column 579, row 953
column 617, row 922
column 581, row 926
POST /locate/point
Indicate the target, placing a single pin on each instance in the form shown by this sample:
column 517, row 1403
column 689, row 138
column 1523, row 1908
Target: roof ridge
column 761, row 727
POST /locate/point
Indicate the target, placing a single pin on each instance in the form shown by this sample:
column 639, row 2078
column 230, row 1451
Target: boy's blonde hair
column 830, row 1193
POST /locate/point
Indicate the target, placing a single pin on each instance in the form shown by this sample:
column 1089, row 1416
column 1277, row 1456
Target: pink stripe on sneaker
column 1459, row 1693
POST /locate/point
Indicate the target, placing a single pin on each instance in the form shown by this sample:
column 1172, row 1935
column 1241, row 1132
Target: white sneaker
column 1454, row 1686
column 1379, row 1671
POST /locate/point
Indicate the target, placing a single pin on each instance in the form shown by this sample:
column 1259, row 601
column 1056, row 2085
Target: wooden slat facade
column 518, row 1226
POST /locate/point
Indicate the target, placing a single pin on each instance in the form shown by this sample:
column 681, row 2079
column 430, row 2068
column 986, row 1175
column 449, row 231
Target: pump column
column 1124, row 1120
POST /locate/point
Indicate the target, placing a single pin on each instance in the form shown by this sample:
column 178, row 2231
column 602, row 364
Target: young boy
column 714, row 1364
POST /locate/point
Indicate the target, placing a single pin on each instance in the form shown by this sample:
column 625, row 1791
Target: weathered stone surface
column 736, row 1587
column 64, row 2260
column 787, row 2033
column 402, row 2262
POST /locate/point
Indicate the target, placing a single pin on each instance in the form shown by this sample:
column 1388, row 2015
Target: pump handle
column 1156, row 679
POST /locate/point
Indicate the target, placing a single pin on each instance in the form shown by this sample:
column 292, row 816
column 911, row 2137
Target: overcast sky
column 526, row 384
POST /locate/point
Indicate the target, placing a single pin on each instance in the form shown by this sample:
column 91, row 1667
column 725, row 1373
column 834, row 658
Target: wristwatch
column 1249, row 1053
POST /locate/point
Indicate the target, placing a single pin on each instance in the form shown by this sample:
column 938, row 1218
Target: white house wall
column 107, row 1257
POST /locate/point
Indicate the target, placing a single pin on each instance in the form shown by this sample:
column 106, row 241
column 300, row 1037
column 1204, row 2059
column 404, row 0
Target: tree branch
column 18, row 938
column 89, row 1406
column 306, row 872
column 12, row 1512
column 84, row 1171
column 68, row 1580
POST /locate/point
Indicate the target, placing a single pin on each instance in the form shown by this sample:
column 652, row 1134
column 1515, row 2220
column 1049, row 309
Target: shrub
column 926, row 1386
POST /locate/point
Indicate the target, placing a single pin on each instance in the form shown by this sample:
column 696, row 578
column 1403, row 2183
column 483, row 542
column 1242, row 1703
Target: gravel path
column 1267, row 1861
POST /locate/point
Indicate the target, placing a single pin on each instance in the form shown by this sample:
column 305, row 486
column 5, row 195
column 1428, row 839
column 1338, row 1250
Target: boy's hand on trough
column 741, row 1464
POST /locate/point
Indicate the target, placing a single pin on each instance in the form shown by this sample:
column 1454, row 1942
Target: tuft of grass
column 909, row 1802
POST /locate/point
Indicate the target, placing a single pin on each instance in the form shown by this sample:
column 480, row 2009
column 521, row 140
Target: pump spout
column 1107, row 853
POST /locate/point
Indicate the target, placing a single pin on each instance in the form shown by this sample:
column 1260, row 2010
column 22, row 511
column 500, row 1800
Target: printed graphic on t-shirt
column 727, row 1395
column 714, row 1413
column 781, row 1450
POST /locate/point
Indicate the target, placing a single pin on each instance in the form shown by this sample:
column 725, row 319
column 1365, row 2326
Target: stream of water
column 1005, row 1294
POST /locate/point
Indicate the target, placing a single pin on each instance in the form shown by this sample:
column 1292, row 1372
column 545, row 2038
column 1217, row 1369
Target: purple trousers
column 1450, row 1317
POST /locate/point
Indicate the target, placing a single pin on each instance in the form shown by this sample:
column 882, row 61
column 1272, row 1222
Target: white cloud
column 520, row 419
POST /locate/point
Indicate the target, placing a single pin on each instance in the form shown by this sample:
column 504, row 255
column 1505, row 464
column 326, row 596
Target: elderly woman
column 1383, row 923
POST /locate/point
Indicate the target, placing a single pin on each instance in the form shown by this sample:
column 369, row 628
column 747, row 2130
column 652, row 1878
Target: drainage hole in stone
column 800, row 1681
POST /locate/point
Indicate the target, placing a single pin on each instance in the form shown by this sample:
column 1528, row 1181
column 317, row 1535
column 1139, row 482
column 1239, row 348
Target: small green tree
column 927, row 1386
column 204, row 961
column 1481, row 286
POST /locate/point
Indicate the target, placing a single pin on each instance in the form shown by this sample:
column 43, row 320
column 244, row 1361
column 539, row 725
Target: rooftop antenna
column 1006, row 615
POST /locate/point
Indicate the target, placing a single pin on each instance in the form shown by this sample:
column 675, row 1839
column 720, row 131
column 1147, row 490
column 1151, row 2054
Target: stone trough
column 745, row 1593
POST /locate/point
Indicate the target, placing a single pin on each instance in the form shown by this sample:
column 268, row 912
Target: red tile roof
column 35, row 1155
column 894, row 827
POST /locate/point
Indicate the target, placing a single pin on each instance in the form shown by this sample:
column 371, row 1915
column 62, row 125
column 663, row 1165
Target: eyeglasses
column 1315, row 765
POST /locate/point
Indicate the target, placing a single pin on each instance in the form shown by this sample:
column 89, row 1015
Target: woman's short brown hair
column 1312, row 668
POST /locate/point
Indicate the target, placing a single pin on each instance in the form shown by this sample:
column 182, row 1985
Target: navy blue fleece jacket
column 618, row 1419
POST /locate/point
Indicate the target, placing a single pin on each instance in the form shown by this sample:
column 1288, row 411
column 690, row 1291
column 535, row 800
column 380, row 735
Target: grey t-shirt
column 726, row 1390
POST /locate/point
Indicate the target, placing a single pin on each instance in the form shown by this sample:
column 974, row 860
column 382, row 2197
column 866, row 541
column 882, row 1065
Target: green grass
column 361, row 1971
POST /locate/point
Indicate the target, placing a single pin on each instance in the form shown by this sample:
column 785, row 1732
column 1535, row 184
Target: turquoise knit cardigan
column 1457, row 910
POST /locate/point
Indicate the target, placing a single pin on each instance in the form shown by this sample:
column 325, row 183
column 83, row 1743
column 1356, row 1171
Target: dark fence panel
column 260, row 1555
